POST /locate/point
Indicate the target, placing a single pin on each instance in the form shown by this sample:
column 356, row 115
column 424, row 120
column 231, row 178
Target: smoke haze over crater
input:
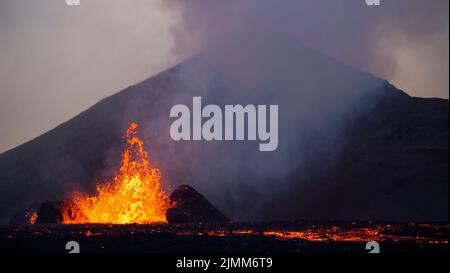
column 404, row 41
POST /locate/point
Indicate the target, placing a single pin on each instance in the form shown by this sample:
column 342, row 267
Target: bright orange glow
column 333, row 234
column 31, row 217
column 133, row 196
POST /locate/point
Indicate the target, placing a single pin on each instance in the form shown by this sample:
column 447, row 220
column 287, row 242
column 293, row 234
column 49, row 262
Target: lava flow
column 134, row 195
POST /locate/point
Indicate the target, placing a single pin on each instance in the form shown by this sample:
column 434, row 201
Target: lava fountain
column 134, row 194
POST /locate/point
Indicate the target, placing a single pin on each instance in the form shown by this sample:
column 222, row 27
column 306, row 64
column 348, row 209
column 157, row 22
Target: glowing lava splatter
column 134, row 195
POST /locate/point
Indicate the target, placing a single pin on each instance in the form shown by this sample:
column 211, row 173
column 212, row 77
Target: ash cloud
column 404, row 41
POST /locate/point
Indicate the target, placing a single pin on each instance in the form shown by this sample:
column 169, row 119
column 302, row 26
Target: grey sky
column 56, row 61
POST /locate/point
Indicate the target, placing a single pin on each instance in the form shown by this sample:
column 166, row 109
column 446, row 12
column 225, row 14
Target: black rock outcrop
column 189, row 206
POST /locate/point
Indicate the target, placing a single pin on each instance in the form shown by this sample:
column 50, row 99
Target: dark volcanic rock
column 394, row 165
column 56, row 212
column 191, row 207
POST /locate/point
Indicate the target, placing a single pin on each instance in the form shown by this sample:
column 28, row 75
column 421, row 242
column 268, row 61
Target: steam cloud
column 404, row 41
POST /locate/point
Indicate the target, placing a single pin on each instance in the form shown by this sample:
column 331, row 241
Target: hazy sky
column 56, row 61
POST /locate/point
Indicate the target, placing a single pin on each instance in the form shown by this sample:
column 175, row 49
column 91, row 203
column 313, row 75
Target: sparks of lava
column 134, row 195
column 31, row 217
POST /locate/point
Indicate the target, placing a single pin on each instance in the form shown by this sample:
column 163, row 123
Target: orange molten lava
column 133, row 196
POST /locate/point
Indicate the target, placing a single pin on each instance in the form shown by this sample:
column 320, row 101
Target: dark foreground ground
column 292, row 237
